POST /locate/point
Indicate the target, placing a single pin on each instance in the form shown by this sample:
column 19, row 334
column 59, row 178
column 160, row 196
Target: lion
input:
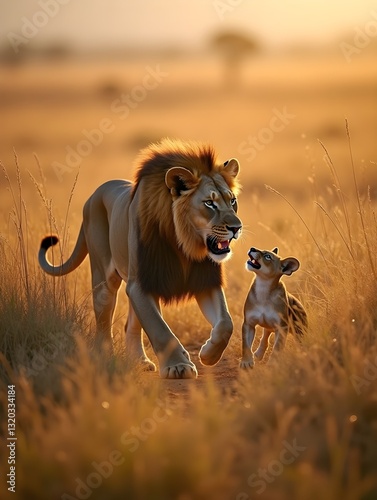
column 270, row 305
column 166, row 234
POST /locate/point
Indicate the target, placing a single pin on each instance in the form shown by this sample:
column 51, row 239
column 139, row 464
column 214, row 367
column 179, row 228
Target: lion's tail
column 78, row 255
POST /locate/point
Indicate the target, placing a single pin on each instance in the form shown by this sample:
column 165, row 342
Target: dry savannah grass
column 302, row 428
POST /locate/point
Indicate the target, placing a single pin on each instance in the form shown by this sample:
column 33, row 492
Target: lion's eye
column 233, row 201
column 210, row 204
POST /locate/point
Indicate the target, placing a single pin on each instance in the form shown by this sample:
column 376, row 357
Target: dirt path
column 224, row 376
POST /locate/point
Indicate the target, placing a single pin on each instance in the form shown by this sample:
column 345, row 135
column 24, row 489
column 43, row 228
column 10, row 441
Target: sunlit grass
column 304, row 427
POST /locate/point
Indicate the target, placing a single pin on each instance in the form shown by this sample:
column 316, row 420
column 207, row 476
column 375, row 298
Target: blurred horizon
column 180, row 25
column 259, row 81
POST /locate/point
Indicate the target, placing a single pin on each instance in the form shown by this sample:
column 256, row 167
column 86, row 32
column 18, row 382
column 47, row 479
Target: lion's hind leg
column 134, row 342
column 105, row 279
column 105, row 291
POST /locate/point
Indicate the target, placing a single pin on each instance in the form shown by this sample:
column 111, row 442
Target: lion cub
column 269, row 305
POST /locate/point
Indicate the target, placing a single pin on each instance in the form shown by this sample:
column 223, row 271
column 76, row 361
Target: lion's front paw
column 211, row 351
column 247, row 364
column 177, row 365
column 180, row 370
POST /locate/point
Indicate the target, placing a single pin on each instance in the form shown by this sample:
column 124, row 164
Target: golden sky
column 88, row 23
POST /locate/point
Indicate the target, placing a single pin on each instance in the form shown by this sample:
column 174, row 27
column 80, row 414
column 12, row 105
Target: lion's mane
column 164, row 269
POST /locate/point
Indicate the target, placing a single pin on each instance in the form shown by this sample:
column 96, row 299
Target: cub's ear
column 232, row 167
column 180, row 179
column 275, row 250
column 289, row 265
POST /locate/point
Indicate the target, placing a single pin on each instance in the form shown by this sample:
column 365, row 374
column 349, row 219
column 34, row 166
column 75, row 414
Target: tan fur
column 269, row 304
column 166, row 234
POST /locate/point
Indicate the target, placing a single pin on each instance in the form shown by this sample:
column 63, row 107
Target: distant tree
column 56, row 50
column 51, row 51
column 10, row 57
column 233, row 47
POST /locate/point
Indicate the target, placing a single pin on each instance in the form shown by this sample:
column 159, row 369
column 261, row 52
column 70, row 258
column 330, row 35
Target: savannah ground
column 303, row 428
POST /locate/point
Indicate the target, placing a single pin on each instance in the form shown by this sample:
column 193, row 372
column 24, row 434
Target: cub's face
column 268, row 265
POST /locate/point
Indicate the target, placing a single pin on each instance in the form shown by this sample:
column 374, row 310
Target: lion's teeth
column 222, row 244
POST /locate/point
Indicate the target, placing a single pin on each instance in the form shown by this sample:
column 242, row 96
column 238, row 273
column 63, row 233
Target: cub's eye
column 267, row 257
column 210, row 204
column 233, row 201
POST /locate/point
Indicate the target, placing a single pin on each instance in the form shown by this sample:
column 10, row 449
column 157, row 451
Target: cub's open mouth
column 218, row 247
column 253, row 263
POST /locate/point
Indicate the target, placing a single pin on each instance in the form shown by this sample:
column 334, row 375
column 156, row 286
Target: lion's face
column 214, row 208
column 204, row 212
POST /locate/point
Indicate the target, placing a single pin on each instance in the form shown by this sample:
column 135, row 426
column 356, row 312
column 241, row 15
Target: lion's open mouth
column 254, row 264
column 218, row 247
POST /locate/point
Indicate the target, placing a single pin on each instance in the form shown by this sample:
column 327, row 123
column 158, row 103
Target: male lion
column 166, row 235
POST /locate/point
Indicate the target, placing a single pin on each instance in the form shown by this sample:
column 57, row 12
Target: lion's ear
column 180, row 179
column 232, row 167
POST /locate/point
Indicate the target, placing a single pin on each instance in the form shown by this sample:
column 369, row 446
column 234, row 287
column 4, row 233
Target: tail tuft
column 49, row 241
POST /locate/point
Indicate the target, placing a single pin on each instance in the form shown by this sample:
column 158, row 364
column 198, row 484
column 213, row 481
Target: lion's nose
column 234, row 229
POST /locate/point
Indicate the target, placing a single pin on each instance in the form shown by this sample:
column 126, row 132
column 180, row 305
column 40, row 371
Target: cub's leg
column 248, row 335
column 280, row 339
column 134, row 342
column 263, row 344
